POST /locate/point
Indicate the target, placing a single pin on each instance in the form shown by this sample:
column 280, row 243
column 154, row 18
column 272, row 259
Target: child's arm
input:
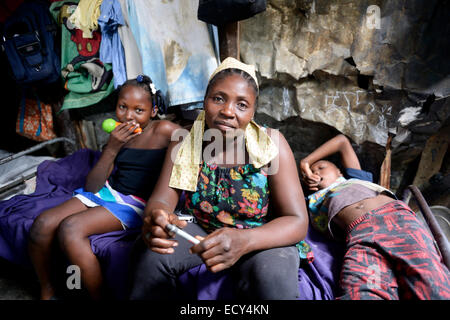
column 340, row 144
column 102, row 169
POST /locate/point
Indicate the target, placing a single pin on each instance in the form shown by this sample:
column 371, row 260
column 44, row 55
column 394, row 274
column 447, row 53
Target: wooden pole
column 229, row 40
column 385, row 171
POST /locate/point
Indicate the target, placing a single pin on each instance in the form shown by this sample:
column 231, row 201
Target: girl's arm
column 339, row 144
column 102, row 169
column 222, row 248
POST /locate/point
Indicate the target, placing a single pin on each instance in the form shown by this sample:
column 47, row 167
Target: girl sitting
column 109, row 200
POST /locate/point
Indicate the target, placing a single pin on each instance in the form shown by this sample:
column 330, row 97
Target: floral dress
column 236, row 197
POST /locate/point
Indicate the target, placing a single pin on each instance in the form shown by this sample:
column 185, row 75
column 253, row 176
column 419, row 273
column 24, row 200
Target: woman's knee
column 145, row 268
column 270, row 274
column 270, row 262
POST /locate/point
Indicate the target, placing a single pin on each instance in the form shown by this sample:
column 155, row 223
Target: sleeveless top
column 137, row 171
column 236, row 197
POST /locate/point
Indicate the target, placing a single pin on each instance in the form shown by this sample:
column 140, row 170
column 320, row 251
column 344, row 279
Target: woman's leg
column 268, row 275
column 154, row 275
column 73, row 233
column 40, row 240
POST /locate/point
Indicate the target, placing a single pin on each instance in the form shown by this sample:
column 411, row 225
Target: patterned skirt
column 127, row 208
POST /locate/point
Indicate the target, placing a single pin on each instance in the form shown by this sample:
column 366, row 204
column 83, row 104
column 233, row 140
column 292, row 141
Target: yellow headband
column 232, row 63
column 184, row 176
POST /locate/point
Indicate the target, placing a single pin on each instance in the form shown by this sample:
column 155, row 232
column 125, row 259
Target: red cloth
column 391, row 255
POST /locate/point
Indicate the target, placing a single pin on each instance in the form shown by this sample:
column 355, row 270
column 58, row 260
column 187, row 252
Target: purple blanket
column 55, row 182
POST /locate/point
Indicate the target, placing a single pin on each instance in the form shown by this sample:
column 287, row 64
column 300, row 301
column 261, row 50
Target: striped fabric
column 127, row 208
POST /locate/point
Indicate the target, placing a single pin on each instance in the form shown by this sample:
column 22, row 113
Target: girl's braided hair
column 144, row 82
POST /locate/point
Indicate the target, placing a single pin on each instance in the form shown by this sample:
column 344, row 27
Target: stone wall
column 329, row 66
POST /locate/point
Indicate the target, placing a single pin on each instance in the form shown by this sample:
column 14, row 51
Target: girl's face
column 230, row 104
column 327, row 172
column 134, row 104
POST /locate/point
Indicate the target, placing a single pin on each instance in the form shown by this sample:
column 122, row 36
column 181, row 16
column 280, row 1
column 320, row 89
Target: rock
column 301, row 38
column 334, row 62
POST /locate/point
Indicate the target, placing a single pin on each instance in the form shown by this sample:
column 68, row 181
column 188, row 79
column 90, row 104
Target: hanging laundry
column 176, row 49
column 111, row 50
column 85, row 76
column 85, row 16
column 133, row 60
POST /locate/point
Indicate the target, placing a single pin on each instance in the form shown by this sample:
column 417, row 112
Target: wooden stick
column 385, row 171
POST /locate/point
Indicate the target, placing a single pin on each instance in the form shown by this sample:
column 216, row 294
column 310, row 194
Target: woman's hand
column 221, row 248
column 154, row 231
column 312, row 180
column 123, row 133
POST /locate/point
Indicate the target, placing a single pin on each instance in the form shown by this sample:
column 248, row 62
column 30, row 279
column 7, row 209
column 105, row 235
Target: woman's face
column 134, row 104
column 230, row 104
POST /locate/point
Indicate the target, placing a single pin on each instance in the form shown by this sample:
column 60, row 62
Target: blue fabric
column 181, row 81
column 41, row 62
column 350, row 173
column 22, row 114
column 154, row 66
column 124, row 213
column 111, row 49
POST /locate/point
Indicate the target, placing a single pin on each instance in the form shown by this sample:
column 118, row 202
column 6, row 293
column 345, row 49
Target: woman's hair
column 144, row 82
column 227, row 72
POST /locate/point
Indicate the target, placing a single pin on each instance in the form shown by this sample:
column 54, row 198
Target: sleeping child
column 389, row 252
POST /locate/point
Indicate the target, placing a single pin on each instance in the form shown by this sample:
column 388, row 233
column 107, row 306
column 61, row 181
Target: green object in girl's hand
column 109, row 125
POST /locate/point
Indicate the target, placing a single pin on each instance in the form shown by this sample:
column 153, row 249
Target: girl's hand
column 312, row 180
column 123, row 133
column 154, row 231
column 221, row 248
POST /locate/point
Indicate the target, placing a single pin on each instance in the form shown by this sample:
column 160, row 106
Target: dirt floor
column 17, row 283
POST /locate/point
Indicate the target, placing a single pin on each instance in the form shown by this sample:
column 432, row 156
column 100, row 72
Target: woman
column 229, row 194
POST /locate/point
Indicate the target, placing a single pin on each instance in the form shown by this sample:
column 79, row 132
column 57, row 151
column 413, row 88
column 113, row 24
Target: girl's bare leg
column 73, row 234
column 42, row 233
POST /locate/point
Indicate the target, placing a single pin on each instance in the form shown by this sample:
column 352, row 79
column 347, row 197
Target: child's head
column 138, row 100
column 327, row 171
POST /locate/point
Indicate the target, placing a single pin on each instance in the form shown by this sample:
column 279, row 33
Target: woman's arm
column 338, row 144
column 102, row 169
column 159, row 209
column 222, row 248
column 288, row 202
